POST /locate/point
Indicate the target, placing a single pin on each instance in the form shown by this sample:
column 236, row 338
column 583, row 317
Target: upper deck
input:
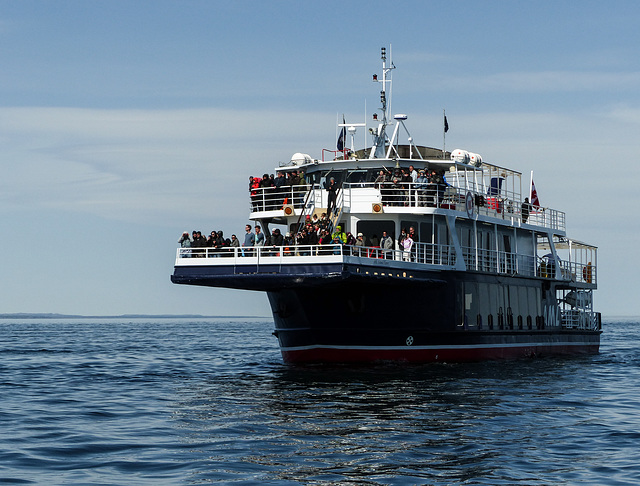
column 489, row 193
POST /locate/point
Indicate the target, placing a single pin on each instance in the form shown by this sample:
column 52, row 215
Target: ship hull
column 369, row 323
column 357, row 313
column 445, row 348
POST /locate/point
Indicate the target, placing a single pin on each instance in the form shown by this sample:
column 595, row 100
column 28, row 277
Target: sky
column 123, row 124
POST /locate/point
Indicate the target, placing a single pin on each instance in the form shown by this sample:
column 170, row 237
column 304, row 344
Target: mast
column 380, row 137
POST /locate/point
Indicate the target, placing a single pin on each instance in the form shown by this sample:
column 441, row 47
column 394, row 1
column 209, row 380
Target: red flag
column 535, row 202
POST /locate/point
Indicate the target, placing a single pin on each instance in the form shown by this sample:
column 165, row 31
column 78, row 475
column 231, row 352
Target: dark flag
column 446, row 124
column 342, row 136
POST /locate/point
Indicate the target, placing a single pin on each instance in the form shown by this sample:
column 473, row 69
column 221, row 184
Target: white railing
column 569, row 271
column 275, row 198
column 480, row 260
column 406, row 195
column 422, row 253
column 579, row 319
column 501, row 262
column 418, row 195
column 246, row 255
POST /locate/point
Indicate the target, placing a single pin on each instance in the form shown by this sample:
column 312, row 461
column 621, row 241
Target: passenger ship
column 487, row 277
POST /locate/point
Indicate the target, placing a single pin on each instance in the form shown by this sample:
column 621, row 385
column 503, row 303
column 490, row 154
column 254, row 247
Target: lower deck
column 509, row 297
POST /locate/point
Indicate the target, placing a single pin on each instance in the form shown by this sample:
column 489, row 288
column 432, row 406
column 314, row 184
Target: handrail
column 275, row 198
column 411, row 195
column 345, row 152
column 421, row 253
column 301, row 221
column 336, row 212
column 481, row 260
column 419, row 195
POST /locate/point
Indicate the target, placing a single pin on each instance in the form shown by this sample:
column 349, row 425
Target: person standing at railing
column 325, row 239
column 256, row 194
column 413, row 194
column 235, row 243
column 413, row 173
column 395, row 192
column 414, row 238
column 441, row 185
column 280, row 181
column 199, row 241
column 287, row 243
column 267, row 194
column 386, row 243
column 211, row 239
column 407, row 246
column 401, row 238
column 421, row 188
column 223, row 244
column 185, row 242
column 259, row 236
column 312, row 231
column 341, row 235
column 525, row 209
column 276, row 239
column 249, row 240
column 350, row 239
column 302, row 240
column 332, row 195
column 359, row 245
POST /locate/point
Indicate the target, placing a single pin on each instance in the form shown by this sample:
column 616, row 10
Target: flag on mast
column 342, row 136
column 446, row 124
column 535, row 202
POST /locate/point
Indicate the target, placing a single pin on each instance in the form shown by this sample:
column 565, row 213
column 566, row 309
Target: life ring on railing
column 288, row 209
column 376, row 207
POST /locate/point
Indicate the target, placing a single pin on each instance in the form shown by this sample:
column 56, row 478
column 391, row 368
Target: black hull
column 412, row 324
column 347, row 314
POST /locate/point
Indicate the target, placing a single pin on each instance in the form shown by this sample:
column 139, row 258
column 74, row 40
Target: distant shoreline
column 27, row 315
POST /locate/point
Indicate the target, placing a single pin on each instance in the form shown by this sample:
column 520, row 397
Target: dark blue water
column 191, row 402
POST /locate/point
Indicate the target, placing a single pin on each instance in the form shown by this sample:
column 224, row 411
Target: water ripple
column 192, row 402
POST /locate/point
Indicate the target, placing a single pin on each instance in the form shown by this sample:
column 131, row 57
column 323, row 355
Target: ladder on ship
column 308, row 208
column 336, row 212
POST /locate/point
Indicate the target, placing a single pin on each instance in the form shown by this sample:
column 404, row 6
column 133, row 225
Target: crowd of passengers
column 315, row 231
column 411, row 187
column 282, row 183
column 400, row 187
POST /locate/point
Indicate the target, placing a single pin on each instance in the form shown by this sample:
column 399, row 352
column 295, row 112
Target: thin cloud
column 537, row 82
column 137, row 164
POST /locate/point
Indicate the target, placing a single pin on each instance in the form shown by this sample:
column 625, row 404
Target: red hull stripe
column 437, row 346
column 451, row 353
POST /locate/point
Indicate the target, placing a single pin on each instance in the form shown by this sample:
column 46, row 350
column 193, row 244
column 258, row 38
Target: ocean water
column 176, row 401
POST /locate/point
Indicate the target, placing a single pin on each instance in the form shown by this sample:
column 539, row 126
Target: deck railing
column 406, row 195
column 570, row 271
column 418, row 195
column 579, row 319
column 422, row 253
column 275, row 198
column 480, row 260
